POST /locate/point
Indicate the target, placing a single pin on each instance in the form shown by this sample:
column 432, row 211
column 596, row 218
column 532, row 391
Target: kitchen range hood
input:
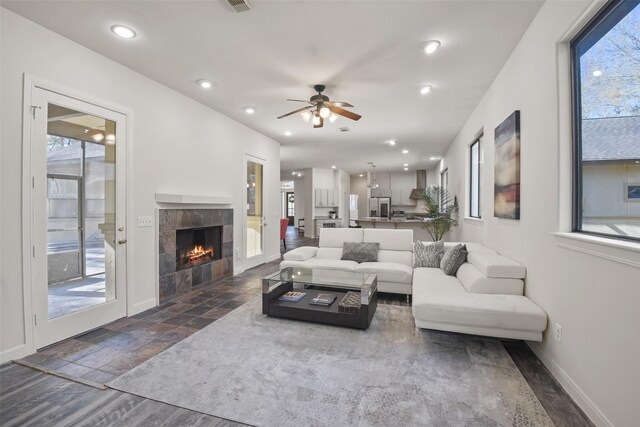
column 421, row 183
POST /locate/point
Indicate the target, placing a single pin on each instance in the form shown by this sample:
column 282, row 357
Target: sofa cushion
column 453, row 259
column 511, row 312
column 428, row 254
column 332, row 264
column 402, row 257
column 300, row 254
column 335, row 237
column 494, row 265
column 392, row 240
column 434, row 278
column 329, row 253
column 474, row 281
column 360, row 251
column 387, row 271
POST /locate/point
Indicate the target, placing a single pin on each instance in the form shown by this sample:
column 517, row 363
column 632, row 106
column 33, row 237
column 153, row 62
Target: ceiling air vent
column 240, row 5
column 344, row 129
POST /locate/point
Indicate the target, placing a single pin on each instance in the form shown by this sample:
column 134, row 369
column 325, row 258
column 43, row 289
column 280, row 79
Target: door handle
column 122, row 241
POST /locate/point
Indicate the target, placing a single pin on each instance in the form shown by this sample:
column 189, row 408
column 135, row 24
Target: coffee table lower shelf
column 303, row 310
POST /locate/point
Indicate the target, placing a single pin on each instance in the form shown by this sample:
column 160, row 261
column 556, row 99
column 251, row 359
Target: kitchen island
column 396, row 223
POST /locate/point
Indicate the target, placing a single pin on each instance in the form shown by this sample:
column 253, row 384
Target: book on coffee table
column 323, row 299
column 292, row 296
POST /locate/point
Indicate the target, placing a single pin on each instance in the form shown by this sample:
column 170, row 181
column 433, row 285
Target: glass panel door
column 76, row 148
column 255, row 221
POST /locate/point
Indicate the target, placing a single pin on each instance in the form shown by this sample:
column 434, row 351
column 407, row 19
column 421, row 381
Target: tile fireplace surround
column 174, row 282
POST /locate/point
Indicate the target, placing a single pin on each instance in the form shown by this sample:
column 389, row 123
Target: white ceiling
column 367, row 53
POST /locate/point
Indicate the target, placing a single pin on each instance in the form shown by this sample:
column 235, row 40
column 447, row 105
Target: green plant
column 442, row 212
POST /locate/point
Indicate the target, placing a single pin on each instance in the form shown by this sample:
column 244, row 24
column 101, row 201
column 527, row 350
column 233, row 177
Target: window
column 444, row 187
column 605, row 60
column 474, row 179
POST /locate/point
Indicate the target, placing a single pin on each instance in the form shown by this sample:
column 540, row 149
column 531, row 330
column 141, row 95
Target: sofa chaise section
column 484, row 298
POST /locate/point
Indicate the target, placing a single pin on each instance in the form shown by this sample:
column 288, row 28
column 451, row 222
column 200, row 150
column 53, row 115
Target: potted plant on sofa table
column 442, row 212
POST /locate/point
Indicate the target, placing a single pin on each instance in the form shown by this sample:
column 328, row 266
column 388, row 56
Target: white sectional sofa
column 395, row 257
column 484, row 298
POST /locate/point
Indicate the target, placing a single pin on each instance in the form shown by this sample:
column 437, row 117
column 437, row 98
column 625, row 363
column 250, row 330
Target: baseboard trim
column 570, row 386
column 274, row 257
column 143, row 305
column 17, row 352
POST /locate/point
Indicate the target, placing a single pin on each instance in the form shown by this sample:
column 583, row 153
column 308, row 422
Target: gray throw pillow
column 428, row 254
column 360, row 252
column 453, row 259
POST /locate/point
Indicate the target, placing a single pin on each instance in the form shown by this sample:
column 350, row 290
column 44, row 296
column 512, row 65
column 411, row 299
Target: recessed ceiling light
column 405, row 165
column 249, row 110
column 333, row 167
column 597, row 73
column 405, row 151
column 406, row 169
column 425, row 89
column 361, row 175
column 392, row 142
column 205, row 84
column 434, row 158
column 299, row 174
column 294, row 173
column 431, row 46
column 288, row 133
column 122, row 31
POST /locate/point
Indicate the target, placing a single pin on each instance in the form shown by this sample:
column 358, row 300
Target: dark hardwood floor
column 31, row 397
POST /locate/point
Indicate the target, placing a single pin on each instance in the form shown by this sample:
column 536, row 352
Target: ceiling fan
column 321, row 107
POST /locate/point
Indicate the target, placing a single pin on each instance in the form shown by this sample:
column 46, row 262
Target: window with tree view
column 606, row 78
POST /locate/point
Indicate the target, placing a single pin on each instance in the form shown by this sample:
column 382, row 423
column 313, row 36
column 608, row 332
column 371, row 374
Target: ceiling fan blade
column 296, row 111
column 298, row 100
column 321, row 123
column 338, row 104
column 345, row 113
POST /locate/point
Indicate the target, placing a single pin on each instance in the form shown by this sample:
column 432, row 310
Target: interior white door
column 78, row 268
column 254, row 213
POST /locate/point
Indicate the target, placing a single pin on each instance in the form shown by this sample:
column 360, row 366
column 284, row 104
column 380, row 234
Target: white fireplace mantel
column 188, row 199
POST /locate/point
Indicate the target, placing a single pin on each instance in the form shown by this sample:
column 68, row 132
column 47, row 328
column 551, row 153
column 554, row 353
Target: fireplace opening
column 196, row 246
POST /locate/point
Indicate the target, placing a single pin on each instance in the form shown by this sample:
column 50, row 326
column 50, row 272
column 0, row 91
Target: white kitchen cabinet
column 326, row 197
column 381, row 192
column 333, row 197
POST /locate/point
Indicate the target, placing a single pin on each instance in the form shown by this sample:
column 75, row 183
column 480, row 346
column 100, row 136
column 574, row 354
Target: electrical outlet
column 145, row 221
column 558, row 333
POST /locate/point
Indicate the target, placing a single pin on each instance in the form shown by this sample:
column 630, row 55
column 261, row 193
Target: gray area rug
column 274, row 372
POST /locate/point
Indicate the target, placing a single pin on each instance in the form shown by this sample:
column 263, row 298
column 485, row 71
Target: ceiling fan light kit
column 321, row 107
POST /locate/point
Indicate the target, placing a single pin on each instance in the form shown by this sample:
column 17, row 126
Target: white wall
column 593, row 297
column 359, row 187
column 178, row 146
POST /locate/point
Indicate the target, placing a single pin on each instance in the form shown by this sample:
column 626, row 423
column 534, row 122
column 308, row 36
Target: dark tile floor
column 112, row 350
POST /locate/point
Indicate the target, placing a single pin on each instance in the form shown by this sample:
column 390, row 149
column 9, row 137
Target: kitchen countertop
column 392, row 220
column 326, row 218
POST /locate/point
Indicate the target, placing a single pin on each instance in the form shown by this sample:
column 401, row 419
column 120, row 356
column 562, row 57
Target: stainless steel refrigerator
column 380, row 207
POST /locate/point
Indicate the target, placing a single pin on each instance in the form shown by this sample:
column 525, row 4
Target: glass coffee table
column 354, row 306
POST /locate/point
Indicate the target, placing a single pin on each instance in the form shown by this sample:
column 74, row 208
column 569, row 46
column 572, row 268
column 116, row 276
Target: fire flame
column 198, row 251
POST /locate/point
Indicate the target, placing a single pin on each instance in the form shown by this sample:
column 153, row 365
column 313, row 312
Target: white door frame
column 248, row 263
column 28, row 236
